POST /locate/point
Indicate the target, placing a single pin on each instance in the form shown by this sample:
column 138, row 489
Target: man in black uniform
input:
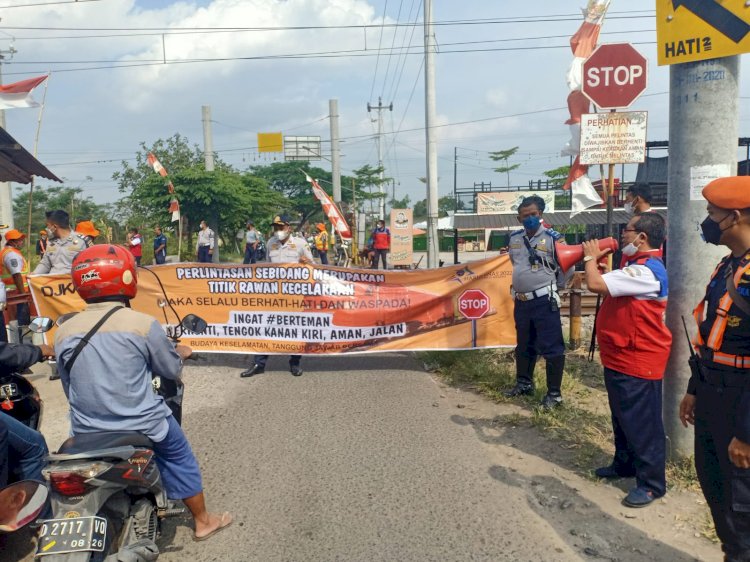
column 718, row 395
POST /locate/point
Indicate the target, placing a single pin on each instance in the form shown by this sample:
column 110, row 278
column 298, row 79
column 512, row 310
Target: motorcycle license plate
column 58, row 536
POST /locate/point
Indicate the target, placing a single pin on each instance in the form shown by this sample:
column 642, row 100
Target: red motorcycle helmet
column 104, row 270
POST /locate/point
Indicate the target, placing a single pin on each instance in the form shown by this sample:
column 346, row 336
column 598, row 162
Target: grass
column 582, row 425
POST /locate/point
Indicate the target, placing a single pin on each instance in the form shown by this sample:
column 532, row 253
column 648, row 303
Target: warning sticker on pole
column 701, row 176
column 614, row 138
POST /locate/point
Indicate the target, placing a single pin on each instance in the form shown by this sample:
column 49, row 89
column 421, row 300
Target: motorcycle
column 18, row 397
column 106, row 491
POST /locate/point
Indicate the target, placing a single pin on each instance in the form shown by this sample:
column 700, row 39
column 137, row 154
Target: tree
column 446, row 205
column 369, row 181
column 558, row 176
column 503, row 156
column 400, row 203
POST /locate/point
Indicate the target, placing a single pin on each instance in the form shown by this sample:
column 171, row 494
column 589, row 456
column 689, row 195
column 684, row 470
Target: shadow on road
column 313, row 363
column 583, row 525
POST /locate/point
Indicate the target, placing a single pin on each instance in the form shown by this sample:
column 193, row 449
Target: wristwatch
column 587, row 258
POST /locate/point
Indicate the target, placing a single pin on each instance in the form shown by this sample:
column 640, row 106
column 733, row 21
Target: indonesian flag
column 331, row 210
column 18, row 94
column 153, row 161
column 582, row 44
column 174, row 208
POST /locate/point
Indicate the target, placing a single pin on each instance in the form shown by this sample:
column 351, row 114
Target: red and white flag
column 331, row 210
column 153, row 161
column 582, row 44
column 18, row 94
column 174, row 204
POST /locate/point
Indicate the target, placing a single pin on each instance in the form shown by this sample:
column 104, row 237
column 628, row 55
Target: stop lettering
column 613, row 76
column 473, row 304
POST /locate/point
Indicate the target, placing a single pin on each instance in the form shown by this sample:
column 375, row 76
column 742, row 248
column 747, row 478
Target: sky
column 126, row 71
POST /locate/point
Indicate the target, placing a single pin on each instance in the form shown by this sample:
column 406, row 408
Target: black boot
column 524, row 376
column 254, row 370
column 555, row 368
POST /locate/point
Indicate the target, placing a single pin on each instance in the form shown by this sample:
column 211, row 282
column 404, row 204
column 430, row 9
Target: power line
column 46, row 4
column 380, row 42
column 402, row 53
column 390, row 53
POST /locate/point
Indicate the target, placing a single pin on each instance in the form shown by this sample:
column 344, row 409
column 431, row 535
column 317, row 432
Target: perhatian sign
column 693, row 30
column 613, row 138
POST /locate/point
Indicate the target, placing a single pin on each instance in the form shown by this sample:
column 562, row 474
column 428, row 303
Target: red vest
column 381, row 240
column 632, row 336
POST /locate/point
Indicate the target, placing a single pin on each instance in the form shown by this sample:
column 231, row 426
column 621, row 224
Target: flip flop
column 226, row 521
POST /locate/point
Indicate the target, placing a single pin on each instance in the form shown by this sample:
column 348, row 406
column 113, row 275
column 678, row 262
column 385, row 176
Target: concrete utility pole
column 703, row 131
column 380, row 107
column 433, row 246
column 208, row 155
column 6, row 193
column 333, row 110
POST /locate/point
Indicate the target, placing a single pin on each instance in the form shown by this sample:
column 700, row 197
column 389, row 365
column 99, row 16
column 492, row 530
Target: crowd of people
column 634, row 346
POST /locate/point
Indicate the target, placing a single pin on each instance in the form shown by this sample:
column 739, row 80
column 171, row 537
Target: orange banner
column 302, row 309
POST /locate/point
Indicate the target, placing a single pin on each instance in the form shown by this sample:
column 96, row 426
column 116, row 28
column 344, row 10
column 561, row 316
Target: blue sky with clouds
column 486, row 72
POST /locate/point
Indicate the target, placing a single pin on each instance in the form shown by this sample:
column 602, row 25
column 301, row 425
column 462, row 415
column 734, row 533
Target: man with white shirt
column 634, row 344
column 206, row 243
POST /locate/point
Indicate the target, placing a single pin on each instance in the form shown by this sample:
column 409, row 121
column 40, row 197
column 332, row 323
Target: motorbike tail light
column 68, row 483
column 72, row 480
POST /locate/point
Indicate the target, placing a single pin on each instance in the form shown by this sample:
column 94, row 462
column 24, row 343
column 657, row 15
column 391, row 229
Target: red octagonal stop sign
column 614, row 75
column 473, row 304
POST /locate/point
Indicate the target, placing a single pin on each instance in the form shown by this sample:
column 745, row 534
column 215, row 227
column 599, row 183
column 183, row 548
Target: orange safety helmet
column 104, row 270
column 87, row 228
column 14, row 235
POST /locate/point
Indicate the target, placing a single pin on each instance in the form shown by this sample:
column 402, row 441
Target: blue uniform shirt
column 544, row 273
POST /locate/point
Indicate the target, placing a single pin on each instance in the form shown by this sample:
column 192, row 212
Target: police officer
column 63, row 247
column 283, row 248
column 536, row 278
column 718, row 395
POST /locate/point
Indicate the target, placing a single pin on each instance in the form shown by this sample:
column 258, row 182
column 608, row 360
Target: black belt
column 712, row 374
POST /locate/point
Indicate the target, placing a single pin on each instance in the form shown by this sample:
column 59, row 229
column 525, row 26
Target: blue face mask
column 532, row 223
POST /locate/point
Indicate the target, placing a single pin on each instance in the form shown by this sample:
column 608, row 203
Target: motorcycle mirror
column 64, row 318
column 40, row 324
column 20, row 504
column 194, row 324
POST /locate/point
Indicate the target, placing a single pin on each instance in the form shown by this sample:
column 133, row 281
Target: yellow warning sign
column 270, row 142
column 693, row 30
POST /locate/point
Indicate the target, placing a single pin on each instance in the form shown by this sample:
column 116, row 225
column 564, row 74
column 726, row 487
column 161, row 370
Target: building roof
column 17, row 164
column 560, row 218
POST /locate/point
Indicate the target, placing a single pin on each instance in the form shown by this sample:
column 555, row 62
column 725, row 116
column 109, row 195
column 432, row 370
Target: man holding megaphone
column 536, row 311
column 634, row 345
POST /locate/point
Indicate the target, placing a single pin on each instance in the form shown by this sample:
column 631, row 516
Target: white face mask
column 282, row 235
column 629, row 209
column 630, row 250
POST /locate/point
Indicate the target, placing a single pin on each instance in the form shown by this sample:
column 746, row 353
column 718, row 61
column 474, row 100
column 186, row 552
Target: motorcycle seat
column 86, row 442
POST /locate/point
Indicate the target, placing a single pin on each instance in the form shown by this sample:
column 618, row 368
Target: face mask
column 532, row 223
column 712, row 230
column 50, row 232
column 630, row 250
column 629, row 209
column 282, row 235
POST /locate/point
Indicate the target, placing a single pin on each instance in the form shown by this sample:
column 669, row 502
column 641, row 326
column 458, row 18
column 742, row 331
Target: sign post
column 473, row 305
column 613, row 77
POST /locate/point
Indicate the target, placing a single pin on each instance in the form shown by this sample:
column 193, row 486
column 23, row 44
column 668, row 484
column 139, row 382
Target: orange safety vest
column 719, row 327
column 321, row 241
column 10, row 284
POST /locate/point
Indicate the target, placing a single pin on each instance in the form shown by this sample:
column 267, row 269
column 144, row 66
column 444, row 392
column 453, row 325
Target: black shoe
column 254, row 370
column 519, row 390
column 296, row 370
column 611, row 472
column 551, row 401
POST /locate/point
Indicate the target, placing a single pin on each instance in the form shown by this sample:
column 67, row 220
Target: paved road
column 365, row 458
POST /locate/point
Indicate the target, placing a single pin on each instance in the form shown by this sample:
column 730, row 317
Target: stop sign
column 614, row 75
column 473, row 304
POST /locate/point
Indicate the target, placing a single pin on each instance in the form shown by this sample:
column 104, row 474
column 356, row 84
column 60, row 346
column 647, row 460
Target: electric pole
column 333, row 110
column 380, row 107
column 6, row 193
column 433, row 246
column 208, row 155
column 703, row 131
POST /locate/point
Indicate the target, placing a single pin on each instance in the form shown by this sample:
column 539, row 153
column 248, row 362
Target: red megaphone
column 568, row 256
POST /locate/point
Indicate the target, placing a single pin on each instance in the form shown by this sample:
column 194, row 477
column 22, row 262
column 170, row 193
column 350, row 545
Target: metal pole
column 703, row 131
column 31, row 186
column 6, row 193
column 433, row 248
column 333, row 110
column 208, row 156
